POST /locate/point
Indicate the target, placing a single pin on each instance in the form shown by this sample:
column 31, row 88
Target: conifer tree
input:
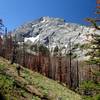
column 94, row 50
column 94, row 46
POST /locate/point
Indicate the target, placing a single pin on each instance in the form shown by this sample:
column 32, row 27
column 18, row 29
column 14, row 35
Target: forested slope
column 30, row 85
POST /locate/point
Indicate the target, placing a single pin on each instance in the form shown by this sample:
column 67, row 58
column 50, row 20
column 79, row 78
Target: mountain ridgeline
column 53, row 32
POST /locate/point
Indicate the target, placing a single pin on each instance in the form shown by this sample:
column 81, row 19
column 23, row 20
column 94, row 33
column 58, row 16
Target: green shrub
column 87, row 85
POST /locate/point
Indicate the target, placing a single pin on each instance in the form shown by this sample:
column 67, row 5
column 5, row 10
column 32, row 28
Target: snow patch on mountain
column 32, row 39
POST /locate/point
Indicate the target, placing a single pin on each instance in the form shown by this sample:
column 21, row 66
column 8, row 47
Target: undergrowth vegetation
column 30, row 85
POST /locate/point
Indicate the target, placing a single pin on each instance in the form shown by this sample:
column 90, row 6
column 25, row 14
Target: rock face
column 53, row 31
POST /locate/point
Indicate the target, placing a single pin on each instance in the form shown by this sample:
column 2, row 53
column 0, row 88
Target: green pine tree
column 94, row 50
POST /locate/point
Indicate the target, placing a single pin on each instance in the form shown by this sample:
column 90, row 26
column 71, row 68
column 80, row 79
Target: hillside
column 30, row 85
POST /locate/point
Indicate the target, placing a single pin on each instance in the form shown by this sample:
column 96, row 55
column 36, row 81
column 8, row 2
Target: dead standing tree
column 14, row 53
column 60, row 62
column 70, row 53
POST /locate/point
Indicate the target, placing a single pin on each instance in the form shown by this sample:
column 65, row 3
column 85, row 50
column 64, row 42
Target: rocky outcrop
column 53, row 32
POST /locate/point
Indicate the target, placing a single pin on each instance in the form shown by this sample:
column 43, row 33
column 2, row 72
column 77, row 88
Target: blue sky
column 16, row 12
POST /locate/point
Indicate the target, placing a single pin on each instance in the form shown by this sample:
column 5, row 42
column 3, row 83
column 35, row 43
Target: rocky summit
column 53, row 32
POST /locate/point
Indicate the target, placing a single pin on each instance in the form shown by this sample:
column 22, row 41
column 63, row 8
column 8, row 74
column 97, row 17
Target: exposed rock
column 54, row 31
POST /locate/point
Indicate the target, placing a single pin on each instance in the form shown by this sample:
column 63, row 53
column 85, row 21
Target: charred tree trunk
column 60, row 68
column 77, row 73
